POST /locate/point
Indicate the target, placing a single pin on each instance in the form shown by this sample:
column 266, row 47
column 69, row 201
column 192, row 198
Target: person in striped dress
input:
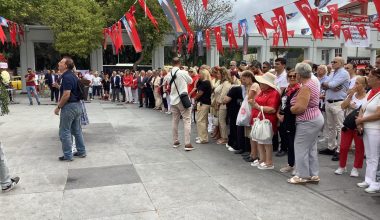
column 309, row 121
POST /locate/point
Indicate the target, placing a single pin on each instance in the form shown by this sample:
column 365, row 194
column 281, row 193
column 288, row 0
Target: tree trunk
column 140, row 59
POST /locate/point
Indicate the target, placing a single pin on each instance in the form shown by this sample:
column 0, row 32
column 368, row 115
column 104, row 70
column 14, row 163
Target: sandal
column 313, row 179
column 296, row 180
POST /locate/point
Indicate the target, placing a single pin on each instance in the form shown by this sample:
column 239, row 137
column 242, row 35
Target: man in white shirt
column 180, row 82
column 281, row 75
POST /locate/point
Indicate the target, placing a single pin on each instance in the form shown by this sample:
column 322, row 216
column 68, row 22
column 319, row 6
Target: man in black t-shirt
column 203, row 97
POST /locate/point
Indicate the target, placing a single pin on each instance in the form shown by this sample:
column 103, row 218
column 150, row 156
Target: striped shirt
column 312, row 111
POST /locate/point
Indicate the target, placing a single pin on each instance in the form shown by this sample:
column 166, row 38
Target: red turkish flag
column 179, row 44
column 311, row 17
column 376, row 24
column 3, row 38
column 218, row 38
column 148, row 13
column 13, row 33
column 205, row 4
column 190, row 44
column 239, row 29
column 276, row 38
column 132, row 30
column 182, row 15
column 335, row 28
column 333, row 9
column 274, row 22
column 359, row 1
column 281, row 17
column 362, row 30
column 207, row 39
column 347, row 34
column 231, row 36
column 291, row 33
column 260, row 25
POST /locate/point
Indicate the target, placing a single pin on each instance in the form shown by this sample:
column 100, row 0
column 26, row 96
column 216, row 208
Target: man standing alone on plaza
column 31, row 86
column 179, row 79
column 336, row 87
column 71, row 111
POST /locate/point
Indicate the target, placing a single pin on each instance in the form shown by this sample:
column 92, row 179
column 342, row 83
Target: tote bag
column 261, row 129
column 244, row 115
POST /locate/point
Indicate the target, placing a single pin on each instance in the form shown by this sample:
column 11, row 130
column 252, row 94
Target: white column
column 264, row 53
column 213, row 56
column 158, row 55
column 27, row 58
column 96, row 60
column 344, row 52
column 331, row 55
column 310, row 53
column 373, row 57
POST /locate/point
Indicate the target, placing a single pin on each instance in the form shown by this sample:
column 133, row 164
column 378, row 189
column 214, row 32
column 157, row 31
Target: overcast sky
column 247, row 8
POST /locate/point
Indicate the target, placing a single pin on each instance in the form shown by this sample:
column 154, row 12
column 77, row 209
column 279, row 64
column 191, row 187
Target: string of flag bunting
column 16, row 31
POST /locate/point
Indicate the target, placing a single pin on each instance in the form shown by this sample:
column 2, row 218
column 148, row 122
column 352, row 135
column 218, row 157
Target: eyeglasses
column 334, row 62
column 292, row 76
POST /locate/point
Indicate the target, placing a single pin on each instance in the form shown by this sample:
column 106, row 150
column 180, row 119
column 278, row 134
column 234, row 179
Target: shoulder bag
column 261, row 129
column 184, row 97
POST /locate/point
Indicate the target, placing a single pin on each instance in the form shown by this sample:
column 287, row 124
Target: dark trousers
column 123, row 93
column 149, row 98
column 54, row 93
column 287, row 142
column 96, row 90
column 242, row 142
column 140, row 94
column 232, row 136
column 115, row 94
column 275, row 142
column 165, row 102
column 86, row 89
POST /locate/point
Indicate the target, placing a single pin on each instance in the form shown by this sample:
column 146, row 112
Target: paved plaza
column 132, row 172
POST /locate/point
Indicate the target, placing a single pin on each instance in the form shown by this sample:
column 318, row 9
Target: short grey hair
column 304, row 70
column 324, row 67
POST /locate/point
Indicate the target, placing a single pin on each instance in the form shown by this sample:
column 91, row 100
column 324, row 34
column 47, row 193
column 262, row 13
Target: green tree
column 149, row 36
column 76, row 24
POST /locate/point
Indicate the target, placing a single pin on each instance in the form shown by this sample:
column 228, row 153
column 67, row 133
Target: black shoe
column 76, row 154
column 281, row 153
column 14, row 182
column 249, row 159
column 245, row 154
column 39, row 103
column 140, row 106
column 335, row 157
column 239, row 152
column 327, row 151
column 64, row 159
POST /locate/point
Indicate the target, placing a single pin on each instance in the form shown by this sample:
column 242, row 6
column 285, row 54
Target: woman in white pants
column 128, row 81
column 368, row 123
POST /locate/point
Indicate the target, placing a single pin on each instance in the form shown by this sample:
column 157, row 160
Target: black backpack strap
column 172, row 80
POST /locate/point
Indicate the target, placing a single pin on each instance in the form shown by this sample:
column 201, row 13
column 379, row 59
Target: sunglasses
column 292, row 76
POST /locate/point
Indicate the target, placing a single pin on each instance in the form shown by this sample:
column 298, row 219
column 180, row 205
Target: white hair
column 304, row 70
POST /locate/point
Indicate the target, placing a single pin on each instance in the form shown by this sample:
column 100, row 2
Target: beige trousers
column 157, row 99
column 222, row 115
column 202, row 121
column 178, row 110
column 334, row 119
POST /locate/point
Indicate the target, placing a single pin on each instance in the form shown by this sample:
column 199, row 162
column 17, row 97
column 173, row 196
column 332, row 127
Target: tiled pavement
column 131, row 172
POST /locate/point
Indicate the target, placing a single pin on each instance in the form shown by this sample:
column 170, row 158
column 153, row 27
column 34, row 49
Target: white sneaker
column 231, row 149
column 371, row 190
column 294, row 172
column 228, row 146
column 255, row 163
column 354, row 172
column 340, row 171
column 197, row 138
column 363, row 184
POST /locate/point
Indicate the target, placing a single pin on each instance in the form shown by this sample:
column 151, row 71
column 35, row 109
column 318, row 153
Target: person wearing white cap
column 269, row 101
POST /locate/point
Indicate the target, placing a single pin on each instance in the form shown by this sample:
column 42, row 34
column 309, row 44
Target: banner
column 182, row 15
column 291, row 15
column 356, row 39
column 207, row 38
column 321, row 3
column 200, row 43
column 172, row 16
column 148, row 13
column 243, row 24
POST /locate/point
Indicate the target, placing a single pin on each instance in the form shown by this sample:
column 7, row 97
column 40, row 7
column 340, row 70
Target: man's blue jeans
column 5, row 179
column 69, row 126
column 32, row 89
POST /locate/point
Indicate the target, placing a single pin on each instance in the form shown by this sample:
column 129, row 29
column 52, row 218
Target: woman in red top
column 269, row 100
column 128, row 81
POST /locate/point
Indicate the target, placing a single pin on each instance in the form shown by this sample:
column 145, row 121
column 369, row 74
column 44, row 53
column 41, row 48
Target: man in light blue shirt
column 336, row 88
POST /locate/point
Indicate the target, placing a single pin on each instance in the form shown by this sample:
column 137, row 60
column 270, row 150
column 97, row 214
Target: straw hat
column 268, row 79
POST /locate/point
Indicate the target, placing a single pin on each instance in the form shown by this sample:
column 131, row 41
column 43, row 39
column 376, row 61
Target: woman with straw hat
column 268, row 100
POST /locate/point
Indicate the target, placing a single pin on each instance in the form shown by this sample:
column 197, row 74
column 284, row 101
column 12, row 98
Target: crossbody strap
column 173, row 80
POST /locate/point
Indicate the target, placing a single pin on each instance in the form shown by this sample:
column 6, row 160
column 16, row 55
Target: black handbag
column 349, row 120
column 184, row 97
